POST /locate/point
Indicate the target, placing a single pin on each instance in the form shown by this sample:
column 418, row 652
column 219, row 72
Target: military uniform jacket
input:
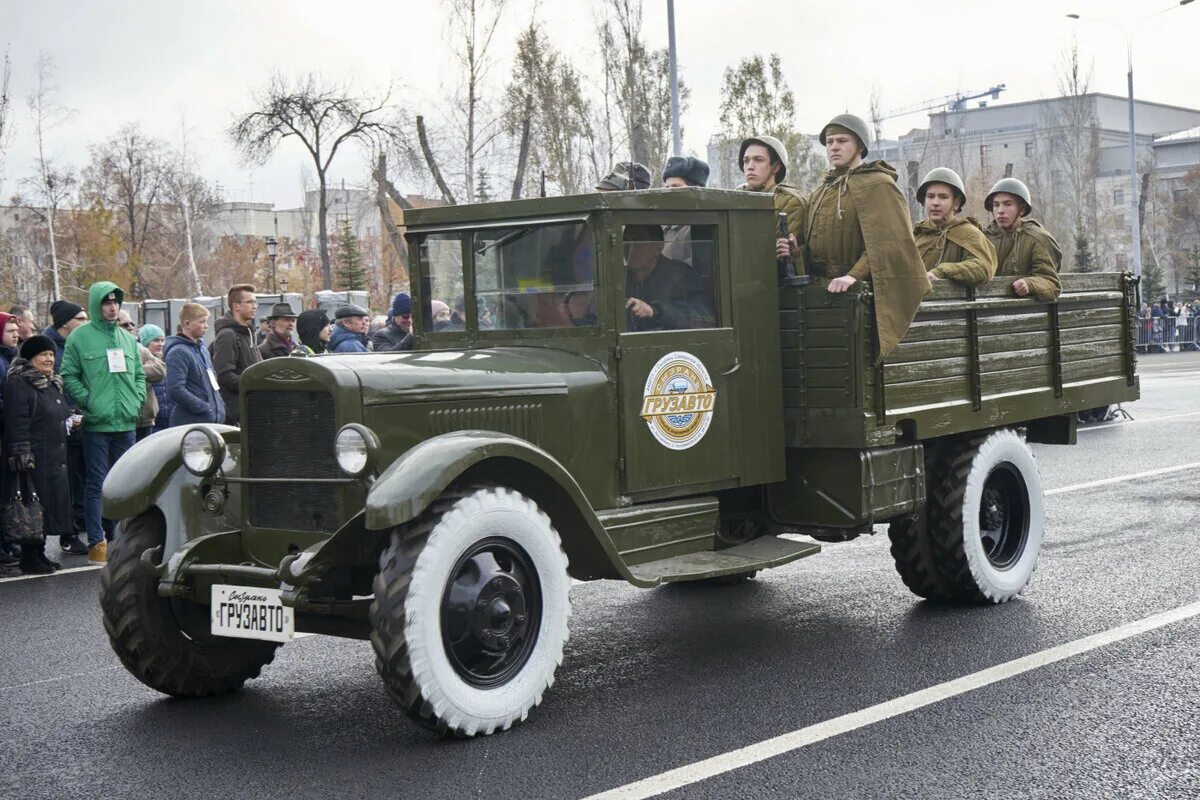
column 788, row 200
column 857, row 224
column 958, row 250
column 1029, row 252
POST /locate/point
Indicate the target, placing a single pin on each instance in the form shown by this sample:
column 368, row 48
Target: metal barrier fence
column 1167, row 334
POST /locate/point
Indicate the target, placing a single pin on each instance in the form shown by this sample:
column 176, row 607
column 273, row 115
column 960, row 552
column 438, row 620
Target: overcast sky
column 158, row 63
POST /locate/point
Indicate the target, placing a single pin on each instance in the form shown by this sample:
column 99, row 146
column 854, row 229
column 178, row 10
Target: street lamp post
column 676, row 138
column 1135, row 222
column 283, row 284
column 272, row 252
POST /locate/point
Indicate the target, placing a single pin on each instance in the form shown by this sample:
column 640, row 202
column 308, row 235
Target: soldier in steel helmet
column 1024, row 248
column 764, row 162
column 951, row 247
column 857, row 228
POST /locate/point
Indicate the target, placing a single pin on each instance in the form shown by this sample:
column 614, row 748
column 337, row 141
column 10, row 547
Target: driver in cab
column 663, row 294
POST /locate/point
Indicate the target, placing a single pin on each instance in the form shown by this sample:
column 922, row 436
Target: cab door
column 679, row 386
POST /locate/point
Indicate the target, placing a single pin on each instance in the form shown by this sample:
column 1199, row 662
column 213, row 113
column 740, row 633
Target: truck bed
column 973, row 359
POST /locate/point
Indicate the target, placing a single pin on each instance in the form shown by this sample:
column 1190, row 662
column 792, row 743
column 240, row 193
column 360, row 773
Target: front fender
column 151, row 473
column 417, row 478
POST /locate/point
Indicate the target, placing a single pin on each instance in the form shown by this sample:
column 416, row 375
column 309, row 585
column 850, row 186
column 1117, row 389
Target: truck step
column 764, row 552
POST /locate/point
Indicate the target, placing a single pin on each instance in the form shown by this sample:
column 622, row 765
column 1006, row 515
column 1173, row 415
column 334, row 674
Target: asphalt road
column 658, row 680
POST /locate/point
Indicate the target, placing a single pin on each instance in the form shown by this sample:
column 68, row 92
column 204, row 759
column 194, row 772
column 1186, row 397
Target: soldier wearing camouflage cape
column 1023, row 247
column 857, row 228
column 764, row 162
column 951, row 247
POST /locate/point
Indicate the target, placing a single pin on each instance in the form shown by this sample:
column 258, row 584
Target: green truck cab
column 440, row 502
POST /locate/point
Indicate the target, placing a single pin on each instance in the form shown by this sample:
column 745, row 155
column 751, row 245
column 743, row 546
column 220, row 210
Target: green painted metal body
column 806, row 432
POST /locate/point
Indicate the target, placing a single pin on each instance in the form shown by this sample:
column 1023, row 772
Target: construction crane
column 951, row 102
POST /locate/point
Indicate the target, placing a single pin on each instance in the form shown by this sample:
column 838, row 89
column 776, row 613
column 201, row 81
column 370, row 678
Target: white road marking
column 64, row 571
column 736, row 759
column 1141, row 421
column 1121, row 478
column 89, row 674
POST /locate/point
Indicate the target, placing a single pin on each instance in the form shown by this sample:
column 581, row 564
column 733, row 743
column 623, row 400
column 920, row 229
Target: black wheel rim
column 491, row 612
column 1004, row 516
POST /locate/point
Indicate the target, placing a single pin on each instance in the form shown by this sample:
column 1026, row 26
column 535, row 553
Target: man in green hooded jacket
column 1024, row 249
column 857, row 228
column 102, row 373
column 951, row 247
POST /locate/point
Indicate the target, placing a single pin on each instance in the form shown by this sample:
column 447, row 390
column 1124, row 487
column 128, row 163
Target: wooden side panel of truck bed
column 973, row 359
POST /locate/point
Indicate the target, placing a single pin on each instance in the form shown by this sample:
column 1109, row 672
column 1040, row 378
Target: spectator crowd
column 1168, row 327
column 77, row 395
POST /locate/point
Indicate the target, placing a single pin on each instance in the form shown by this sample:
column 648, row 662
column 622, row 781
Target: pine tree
column 351, row 273
column 483, row 186
column 1154, row 286
column 1084, row 261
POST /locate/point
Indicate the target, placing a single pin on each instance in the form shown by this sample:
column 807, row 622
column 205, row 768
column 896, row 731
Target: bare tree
column 6, row 130
column 193, row 197
column 547, row 111
column 638, row 81
column 127, row 173
column 52, row 185
column 322, row 117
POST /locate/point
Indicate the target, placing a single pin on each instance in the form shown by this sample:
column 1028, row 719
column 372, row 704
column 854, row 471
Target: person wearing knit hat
column 397, row 333
column 625, row 176
column 35, row 445
column 65, row 317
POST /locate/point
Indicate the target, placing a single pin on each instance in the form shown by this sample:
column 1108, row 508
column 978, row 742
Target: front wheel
column 470, row 612
column 978, row 538
column 166, row 643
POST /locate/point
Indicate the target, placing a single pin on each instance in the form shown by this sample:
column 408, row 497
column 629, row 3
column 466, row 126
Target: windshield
column 535, row 277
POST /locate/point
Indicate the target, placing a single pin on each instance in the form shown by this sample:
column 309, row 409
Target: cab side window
column 441, row 267
column 670, row 277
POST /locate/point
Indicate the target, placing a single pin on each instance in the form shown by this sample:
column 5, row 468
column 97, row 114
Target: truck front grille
column 290, row 435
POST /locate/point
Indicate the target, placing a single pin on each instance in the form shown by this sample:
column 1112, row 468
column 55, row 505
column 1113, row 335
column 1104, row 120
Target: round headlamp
column 203, row 451
column 355, row 448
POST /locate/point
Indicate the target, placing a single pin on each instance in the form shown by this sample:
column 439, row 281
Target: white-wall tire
column 413, row 598
column 980, row 534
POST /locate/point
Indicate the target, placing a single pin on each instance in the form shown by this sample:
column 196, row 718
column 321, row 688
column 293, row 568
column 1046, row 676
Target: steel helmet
column 1010, row 186
column 854, row 124
column 943, row 175
column 772, row 144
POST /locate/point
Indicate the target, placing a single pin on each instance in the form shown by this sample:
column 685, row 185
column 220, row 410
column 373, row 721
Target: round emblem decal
column 678, row 400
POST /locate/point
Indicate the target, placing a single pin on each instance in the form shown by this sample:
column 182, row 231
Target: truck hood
column 447, row 375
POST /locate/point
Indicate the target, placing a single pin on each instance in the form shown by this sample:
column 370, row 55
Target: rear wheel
column 470, row 612
column 166, row 643
column 978, row 538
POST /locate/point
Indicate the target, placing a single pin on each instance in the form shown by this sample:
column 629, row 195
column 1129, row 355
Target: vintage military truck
column 439, row 502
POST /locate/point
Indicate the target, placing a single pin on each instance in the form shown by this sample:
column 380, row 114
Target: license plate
column 247, row 612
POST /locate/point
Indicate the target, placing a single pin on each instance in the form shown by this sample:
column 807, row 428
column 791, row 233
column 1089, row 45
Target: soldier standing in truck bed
column 1023, row 247
column 951, row 247
column 857, row 228
column 764, row 162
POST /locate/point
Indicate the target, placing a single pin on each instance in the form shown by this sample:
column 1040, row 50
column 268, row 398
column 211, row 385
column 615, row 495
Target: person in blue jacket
column 350, row 330
column 191, row 381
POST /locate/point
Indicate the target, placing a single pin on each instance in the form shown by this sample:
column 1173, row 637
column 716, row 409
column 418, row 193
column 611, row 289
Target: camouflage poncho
column 858, row 225
column 958, row 250
column 1029, row 252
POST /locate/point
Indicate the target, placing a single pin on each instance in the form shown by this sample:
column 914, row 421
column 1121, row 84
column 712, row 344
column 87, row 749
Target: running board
column 764, row 552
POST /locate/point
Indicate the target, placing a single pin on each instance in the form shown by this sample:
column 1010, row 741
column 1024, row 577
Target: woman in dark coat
column 35, row 443
column 313, row 329
column 8, row 353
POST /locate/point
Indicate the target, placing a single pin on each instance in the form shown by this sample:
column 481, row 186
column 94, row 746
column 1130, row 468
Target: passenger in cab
column 663, row 294
column 951, row 247
column 857, row 228
column 1023, row 247
column 681, row 172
